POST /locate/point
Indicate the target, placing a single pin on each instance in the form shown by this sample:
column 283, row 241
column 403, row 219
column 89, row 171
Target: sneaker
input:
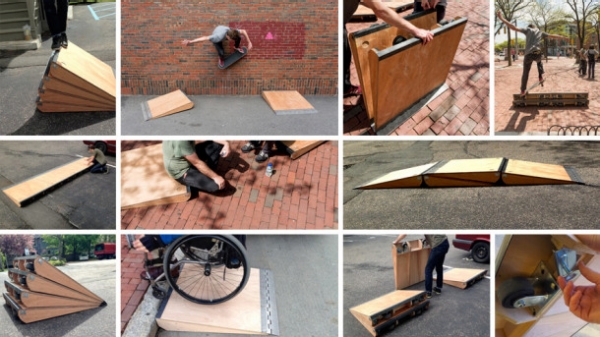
column 353, row 91
column 248, row 147
column 429, row 294
column 262, row 156
column 240, row 50
column 106, row 171
column 56, row 40
column 523, row 93
column 437, row 290
column 64, row 42
column 221, row 63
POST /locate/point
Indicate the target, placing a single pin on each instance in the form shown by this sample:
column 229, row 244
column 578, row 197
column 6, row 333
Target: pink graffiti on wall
column 274, row 40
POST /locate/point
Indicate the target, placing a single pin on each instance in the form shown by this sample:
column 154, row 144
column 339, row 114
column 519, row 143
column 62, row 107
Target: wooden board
column 552, row 103
column 145, row 182
column 462, row 277
column 403, row 74
column 297, row 148
column 379, row 37
column 32, row 299
column 71, row 99
column 409, row 266
column 552, row 96
column 165, row 105
column 287, row 102
column 42, row 285
column 240, row 315
column 60, row 107
column 30, row 315
column 365, row 13
column 519, row 172
column 57, row 85
column 23, row 192
column 465, row 172
column 410, row 177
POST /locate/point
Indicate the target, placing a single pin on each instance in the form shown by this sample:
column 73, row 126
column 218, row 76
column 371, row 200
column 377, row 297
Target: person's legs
column 592, row 69
column 526, row 68
column 56, row 16
column 196, row 179
column 540, row 65
column 98, row 168
column 347, row 61
column 436, row 254
column 584, row 67
column 220, row 51
column 417, row 7
column 251, row 145
column 439, row 267
column 265, row 152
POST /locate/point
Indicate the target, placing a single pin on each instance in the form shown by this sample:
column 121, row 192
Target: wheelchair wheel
column 206, row 269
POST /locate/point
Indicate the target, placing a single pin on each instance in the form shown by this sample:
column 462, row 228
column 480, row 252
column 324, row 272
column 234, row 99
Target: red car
column 477, row 244
column 106, row 146
column 105, row 250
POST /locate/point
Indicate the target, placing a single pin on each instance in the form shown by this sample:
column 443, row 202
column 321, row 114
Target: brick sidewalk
column 133, row 287
column 561, row 76
column 302, row 194
column 461, row 110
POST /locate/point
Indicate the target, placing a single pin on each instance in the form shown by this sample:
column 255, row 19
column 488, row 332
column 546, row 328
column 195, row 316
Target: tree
column 71, row 245
column 582, row 10
column 509, row 9
column 545, row 15
column 15, row 244
column 56, row 241
column 595, row 19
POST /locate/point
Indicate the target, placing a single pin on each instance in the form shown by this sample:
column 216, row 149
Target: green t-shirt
column 174, row 152
column 99, row 156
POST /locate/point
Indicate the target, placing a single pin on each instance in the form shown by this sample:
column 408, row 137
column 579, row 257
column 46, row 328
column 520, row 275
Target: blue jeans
column 98, row 168
column 436, row 261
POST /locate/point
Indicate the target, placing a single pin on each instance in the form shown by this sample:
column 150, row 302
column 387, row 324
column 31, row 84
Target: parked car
column 83, row 257
column 477, row 244
column 105, row 250
column 106, row 146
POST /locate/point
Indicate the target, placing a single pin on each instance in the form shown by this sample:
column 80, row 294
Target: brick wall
column 294, row 47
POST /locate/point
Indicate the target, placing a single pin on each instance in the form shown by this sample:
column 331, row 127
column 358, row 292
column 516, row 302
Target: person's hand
column 424, row 35
column 185, row 42
column 434, row 3
column 220, row 181
column 592, row 241
column 137, row 244
column 425, row 4
column 499, row 14
column 583, row 301
column 225, row 150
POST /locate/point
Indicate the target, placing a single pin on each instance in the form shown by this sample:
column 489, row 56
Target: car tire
column 101, row 146
column 481, row 252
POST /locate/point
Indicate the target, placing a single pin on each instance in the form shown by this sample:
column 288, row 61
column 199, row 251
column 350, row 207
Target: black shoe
column 429, row 294
column 247, row 147
column 437, row 290
column 106, row 170
column 63, row 40
column 262, row 156
column 56, row 41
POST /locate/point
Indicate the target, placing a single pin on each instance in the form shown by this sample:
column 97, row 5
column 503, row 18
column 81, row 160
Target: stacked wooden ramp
column 76, row 81
column 145, row 182
column 26, row 191
column 297, row 148
column 39, row 291
column 387, row 311
column 165, row 105
column 288, row 102
column 393, row 78
column 552, row 99
column 462, row 277
column 409, row 261
column 476, row 173
column 252, row 311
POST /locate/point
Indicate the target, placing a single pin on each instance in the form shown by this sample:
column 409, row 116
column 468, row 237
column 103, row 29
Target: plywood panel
column 38, row 300
column 463, row 180
column 61, row 107
column 40, row 284
column 57, row 85
column 30, row 315
column 297, row 148
column 23, row 192
column 145, row 182
column 287, row 102
column 410, row 177
column 409, row 266
column 519, row 172
column 403, row 74
column 462, row 277
column 165, row 105
column 56, row 97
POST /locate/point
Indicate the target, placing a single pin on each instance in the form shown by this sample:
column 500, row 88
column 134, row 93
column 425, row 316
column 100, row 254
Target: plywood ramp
column 244, row 314
column 410, row 177
column 297, row 148
column 145, row 182
column 462, row 277
column 165, row 105
column 519, row 172
column 32, row 299
column 465, row 172
column 287, row 102
column 26, row 191
column 409, row 264
column 39, row 284
column 30, row 315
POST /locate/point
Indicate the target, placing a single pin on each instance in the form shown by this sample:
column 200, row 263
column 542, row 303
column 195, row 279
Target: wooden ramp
column 364, row 13
column 394, row 77
column 297, row 148
column 26, row 191
column 34, row 298
column 288, row 102
column 253, row 311
column 477, row 173
column 389, row 310
column 409, row 261
column 145, row 182
column 165, row 105
column 76, row 81
column 462, row 277
column 550, row 99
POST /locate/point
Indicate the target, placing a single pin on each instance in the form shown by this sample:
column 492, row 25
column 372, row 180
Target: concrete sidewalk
column 231, row 116
column 561, row 76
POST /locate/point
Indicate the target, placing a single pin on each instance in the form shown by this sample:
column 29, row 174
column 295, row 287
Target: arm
column 245, row 34
column 91, row 158
column 559, row 37
column 583, row 301
column 204, row 169
column 391, row 17
column 399, row 239
column 508, row 24
column 200, row 39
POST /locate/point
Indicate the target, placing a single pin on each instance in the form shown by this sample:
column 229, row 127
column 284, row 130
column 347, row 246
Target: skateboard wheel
column 399, row 39
column 514, row 289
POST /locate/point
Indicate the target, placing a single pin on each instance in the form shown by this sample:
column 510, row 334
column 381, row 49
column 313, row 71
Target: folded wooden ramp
column 165, row 105
column 26, row 191
column 252, row 311
column 288, row 102
column 462, row 277
column 409, row 260
column 76, row 81
column 33, row 297
column 389, row 310
column 145, row 182
column 552, row 99
column 297, row 148
column 477, row 172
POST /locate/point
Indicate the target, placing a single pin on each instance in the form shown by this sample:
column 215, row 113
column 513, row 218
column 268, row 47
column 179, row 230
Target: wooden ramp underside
column 462, row 277
column 288, row 102
column 76, row 81
column 165, row 105
column 297, row 148
column 477, row 172
column 409, row 265
column 26, row 191
column 145, row 182
column 246, row 313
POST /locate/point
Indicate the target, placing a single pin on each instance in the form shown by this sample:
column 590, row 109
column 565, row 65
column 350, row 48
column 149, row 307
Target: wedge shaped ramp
column 387, row 311
column 76, row 81
column 145, row 182
column 288, row 102
column 297, row 148
column 30, row 189
column 477, row 173
column 165, row 105
column 462, row 277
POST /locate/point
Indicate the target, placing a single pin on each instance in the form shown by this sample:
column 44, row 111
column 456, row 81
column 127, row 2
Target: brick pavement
column 461, row 110
column 133, row 287
column 561, row 76
column 301, row 194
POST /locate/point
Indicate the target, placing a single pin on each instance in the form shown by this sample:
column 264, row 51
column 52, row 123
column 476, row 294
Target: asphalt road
column 99, row 277
column 86, row 202
column 506, row 207
column 21, row 73
column 369, row 273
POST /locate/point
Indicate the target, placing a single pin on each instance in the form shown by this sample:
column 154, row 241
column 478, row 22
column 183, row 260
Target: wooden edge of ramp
column 32, row 299
column 171, row 103
column 30, row 315
column 297, row 148
column 463, row 277
column 288, row 102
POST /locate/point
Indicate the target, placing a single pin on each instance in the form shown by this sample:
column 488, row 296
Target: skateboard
column 233, row 58
column 533, row 86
